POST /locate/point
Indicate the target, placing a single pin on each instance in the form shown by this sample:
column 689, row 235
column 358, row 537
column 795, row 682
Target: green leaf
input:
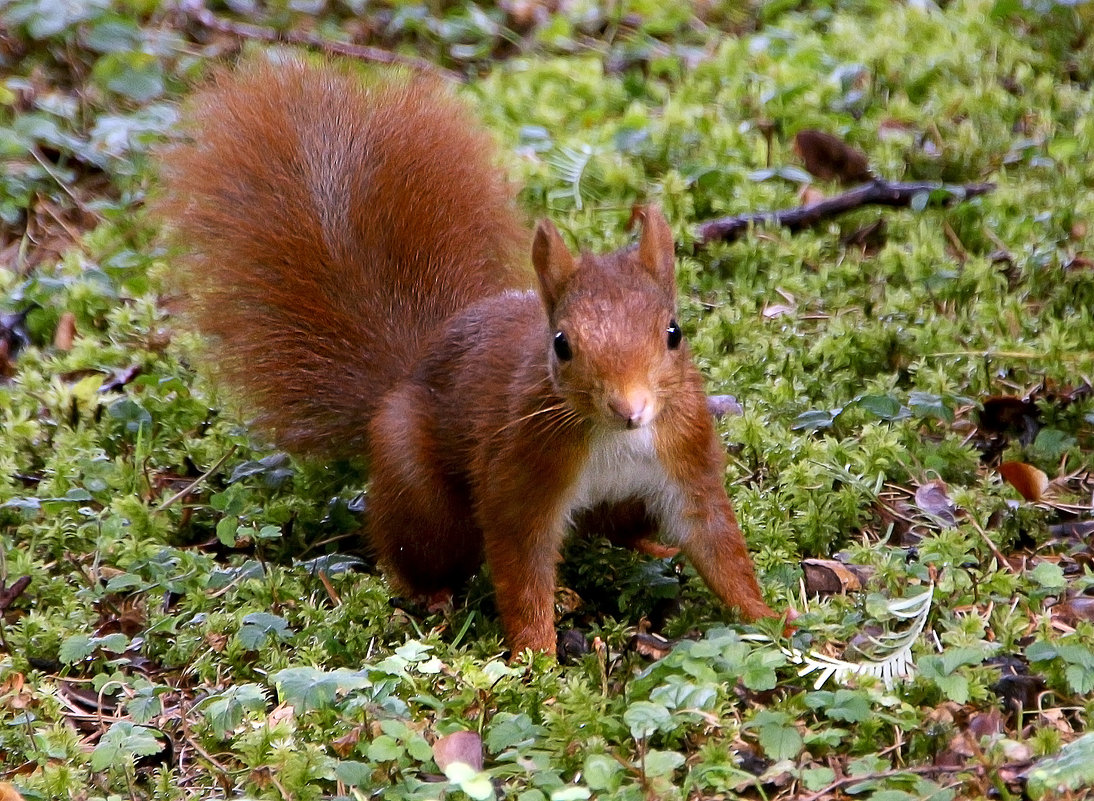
column 602, row 773
column 815, row 779
column 511, row 730
column 1040, row 651
column 815, row 419
column 354, row 774
column 1051, row 444
column 759, row 669
column 142, row 708
column 136, row 75
column 663, row 763
column 225, row 712
column 644, row 718
column 75, row 649
column 131, row 414
column 884, row 406
column 1070, row 769
column 1049, row 575
column 576, row 793
column 778, row 737
column 926, row 404
column 310, row 688
column 385, row 749
column 121, row 743
column 259, row 626
column 228, row 530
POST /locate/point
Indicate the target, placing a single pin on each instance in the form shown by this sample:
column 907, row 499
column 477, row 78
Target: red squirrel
column 357, row 261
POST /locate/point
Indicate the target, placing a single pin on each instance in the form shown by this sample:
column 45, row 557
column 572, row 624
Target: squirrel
column 358, row 262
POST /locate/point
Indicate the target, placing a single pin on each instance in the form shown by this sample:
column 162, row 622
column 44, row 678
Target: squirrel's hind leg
column 420, row 521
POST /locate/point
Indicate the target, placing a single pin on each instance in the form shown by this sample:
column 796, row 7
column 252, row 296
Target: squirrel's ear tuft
column 553, row 262
column 655, row 248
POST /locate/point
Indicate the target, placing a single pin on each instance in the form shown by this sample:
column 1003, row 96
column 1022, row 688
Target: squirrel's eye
column 675, row 335
column 562, row 348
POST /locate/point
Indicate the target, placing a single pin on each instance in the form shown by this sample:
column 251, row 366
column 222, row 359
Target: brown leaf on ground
column 650, row 646
column 830, row 577
column 933, row 499
column 1075, row 610
column 722, row 405
column 65, row 334
column 1030, row 482
column 344, row 746
column 830, row 158
column 460, row 746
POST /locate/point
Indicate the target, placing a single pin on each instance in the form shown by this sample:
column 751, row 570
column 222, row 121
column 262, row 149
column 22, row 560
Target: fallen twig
column 875, row 193
column 197, row 11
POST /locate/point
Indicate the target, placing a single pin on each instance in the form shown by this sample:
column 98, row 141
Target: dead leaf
column 1074, row 610
column 119, row 378
column 65, row 334
column 9, row 594
column 216, row 641
column 777, row 310
column 343, row 746
column 571, row 646
column 933, row 500
column 830, row 577
column 650, row 646
column 460, row 746
column 830, row 158
column 723, row 405
column 895, row 129
column 1030, row 482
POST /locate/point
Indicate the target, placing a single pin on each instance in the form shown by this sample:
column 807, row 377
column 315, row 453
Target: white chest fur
column 622, row 465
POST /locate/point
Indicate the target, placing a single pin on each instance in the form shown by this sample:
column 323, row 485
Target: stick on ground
column 876, row 193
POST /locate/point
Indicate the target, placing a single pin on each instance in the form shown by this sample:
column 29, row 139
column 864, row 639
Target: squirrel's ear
column 655, row 248
column 553, row 262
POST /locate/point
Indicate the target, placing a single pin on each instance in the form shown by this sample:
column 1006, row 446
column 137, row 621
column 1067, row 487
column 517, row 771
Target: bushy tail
column 328, row 226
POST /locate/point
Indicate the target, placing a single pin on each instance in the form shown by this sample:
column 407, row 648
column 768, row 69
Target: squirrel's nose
column 635, row 407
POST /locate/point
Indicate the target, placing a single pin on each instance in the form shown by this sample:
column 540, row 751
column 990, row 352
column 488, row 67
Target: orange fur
column 357, row 262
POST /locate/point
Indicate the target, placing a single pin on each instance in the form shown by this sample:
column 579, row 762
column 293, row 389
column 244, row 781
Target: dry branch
column 876, row 193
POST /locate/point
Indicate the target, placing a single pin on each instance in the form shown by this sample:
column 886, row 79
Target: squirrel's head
column 616, row 352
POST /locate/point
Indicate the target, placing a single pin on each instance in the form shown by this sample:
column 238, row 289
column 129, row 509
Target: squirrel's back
column 330, row 225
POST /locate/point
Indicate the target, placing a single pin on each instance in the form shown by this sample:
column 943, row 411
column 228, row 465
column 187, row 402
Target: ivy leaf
column 136, row 75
